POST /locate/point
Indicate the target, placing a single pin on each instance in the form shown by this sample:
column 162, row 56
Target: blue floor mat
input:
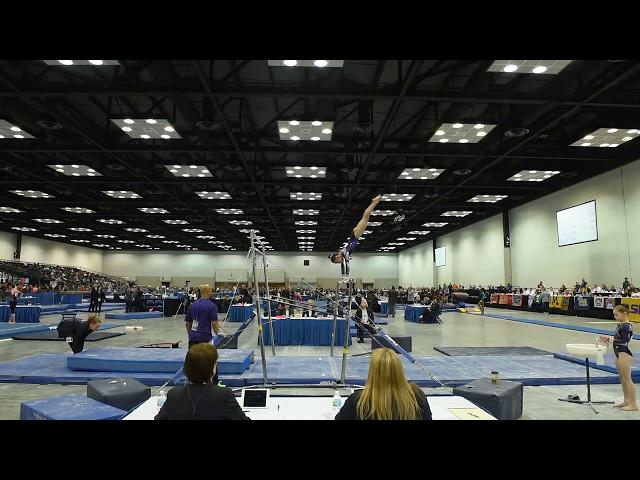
column 609, row 363
column 8, row 330
column 158, row 360
column 69, row 407
column 578, row 328
column 51, row 368
column 481, row 351
column 453, row 371
column 133, row 315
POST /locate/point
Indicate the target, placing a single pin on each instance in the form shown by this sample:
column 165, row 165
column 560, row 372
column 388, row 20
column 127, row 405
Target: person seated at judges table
column 201, row 320
column 202, row 398
column 75, row 331
column 430, row 315
column 387, row 394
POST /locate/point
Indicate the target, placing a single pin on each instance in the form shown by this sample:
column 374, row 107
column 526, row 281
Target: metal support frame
column 268, row 299
column 345, row 347
column 263, row 357
column 335, row 317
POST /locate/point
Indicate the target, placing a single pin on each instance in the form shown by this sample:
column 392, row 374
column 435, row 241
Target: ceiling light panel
column 397, row 197
column 305, row 223
column 383, row 213
column 461, row 133
column 607, row 137
column 153, row 210
column 456, row 213
column 192, row 230
column 240, row 222
column 548, row 67
column 435, row 224
column 137, row 230
column 306, row 172
column 82, row 63
column 147, row 128
column 302, row 211
column 214, row 195
column 419, row 232
column 306, row 63
column 110, row 221
column 155, row 236
column 121, row 194
column 10, row 131
column 305, row 196
column 229, row 211
column 75, row 170
column 533, row 175
column 76, row 240
column 305, row 231
column 314, row 131
column 205, row 237
column 407, row 239
column 31, row 193
column 420, row 173
column 46, row 220
column 176, row 222
column 24, row 229
column 125, row 241
column 77, row 210
column 80, row 229
column 487, row 198
column 55, row 235
column 198, row 171
column 106, row 236
column 374, row 224
column 9, row 210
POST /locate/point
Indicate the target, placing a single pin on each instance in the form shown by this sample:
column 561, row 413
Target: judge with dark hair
column 201, row 399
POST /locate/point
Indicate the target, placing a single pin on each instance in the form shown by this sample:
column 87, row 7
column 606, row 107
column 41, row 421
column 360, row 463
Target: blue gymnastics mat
column 152, row 360
column 133, row 315
column 51, row 368
column 529, row 370
column 69, row 407
column 481, row 351
column 578, row 328
column 8, row 330
column 609, row 363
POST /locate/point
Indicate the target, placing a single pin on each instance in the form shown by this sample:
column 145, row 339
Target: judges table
column 384, row 307
column 321, row 408
column 412, row 313
column 303, row 331
column 240, row 312
column 24, row 313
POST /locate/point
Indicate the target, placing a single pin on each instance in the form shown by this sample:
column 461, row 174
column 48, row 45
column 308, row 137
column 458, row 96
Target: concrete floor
column 458, row 330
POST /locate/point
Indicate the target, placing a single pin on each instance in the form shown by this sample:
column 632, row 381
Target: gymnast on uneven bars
column 343, row 255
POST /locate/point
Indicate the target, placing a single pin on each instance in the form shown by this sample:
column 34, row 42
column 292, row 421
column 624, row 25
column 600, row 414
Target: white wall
column 204, row 265
column 535, row 252
column 415, row 266
column 474, row 254
column 47, row 251
column 7, row 245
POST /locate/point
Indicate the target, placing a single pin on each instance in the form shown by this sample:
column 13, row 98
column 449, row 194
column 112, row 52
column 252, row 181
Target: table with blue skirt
column 71, row 298
column 384, row 307
column 239, row 312
column 412, row 313
column 24, row 313
column 304, row 331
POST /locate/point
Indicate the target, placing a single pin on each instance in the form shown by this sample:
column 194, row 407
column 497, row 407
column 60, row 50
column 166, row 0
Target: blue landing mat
column 152, row 360
column 478, row 351
column 529, row 370
column 133, row 315
column 69, row 407
column 609, row 363
column 51, row 368
column 8, row 330
column 578, row 328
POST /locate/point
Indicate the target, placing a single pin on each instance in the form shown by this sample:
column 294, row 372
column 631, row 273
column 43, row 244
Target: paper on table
column 470, row 414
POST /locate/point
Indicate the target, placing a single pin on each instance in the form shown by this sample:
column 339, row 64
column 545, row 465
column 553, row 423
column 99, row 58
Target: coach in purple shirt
column 202, row 318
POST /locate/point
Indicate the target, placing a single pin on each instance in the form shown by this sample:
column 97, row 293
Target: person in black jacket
column 93, row 299
column 201, row 399
column 101, row 298
column 137, row 302
column 393, row 299
column 387, row 394
column 76, row 331
column 364, row 319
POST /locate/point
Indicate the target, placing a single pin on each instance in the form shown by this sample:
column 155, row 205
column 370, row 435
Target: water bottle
column 162, row 397
column 337, row 400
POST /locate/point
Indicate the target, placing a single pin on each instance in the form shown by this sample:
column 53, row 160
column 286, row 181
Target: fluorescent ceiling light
column 306, row 172
column 549, row 67
column 305, row 196
column 9, row 210
column 176, row 222
column 229, row 211
column 397, row 197
column 75, row 170
column 302, row 211
column 214, row 195
column 137, row 230
column 121, row 194
column 456, row 213
column 110, row 221
column 82, row 63
column 487, row 198
column 147, row 128
column 55, row 235
column 435, row 224
column 77, row 210
column 533, row 175
column 46, row 220
column 305, row 130
column 306, row 63
column 31, row 193
column 607, row 137
column 153, row 210
column 420, row 173
column 192, row 230
column 80, row 229
column 240, row 222
column 384, row 213
column 24, row 229
column 419, row 232
column 188, row 171
column 305, row 223
column 455, row 132
column 9, row 131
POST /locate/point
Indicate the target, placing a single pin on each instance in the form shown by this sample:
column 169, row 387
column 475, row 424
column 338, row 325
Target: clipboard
column 470, row 414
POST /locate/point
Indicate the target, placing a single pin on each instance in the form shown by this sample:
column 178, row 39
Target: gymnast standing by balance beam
column 343, row 255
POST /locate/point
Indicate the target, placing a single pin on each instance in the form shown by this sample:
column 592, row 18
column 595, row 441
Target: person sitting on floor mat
column 343, row 255
column 75, row 331
column 387, row 394
column 202, row 398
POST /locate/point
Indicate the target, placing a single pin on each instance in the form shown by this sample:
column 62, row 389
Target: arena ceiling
column 180, row 155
